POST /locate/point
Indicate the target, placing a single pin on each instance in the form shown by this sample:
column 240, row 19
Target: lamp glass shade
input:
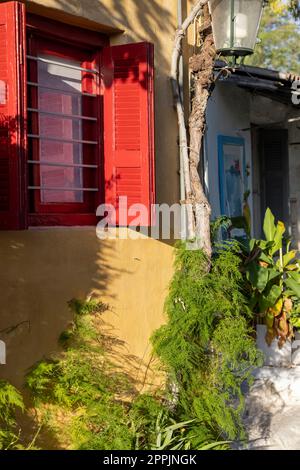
column 235, row 25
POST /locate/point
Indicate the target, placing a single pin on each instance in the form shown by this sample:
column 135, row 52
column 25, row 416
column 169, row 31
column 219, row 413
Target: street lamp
column 235, row 25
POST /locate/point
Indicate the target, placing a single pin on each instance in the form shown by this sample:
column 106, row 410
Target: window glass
column 61, row 136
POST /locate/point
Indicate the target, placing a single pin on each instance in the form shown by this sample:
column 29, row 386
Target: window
column 76, row 122
column 64, row 134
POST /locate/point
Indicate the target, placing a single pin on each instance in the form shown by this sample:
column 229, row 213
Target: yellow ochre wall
column 41, row 270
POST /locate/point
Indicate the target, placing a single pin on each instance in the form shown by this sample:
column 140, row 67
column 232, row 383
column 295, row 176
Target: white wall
column 228, row 114
column 231, row 111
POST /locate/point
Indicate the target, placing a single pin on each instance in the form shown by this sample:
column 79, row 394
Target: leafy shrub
column 78, row 396
column 207, row 345
column 273, row 274
column 10, row 401
column 75, row 391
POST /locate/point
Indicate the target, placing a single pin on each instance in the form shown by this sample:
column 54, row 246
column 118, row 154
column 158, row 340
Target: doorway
column 274, row 171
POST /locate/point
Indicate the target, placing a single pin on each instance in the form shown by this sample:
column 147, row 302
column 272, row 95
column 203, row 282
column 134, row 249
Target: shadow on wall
column 43, row 269
column 142, row 20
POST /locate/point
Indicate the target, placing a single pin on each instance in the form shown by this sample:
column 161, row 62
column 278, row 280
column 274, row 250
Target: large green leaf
column 264, row 304
column 278, row 237
column 252, row 244
column 292, row 267
column 253, row 300
column 288, row 293
column 265, row 258
column 293, row 285
column 257, row 275
column 265, row 245
column 294, row 275
column 269, row 300
column 295, row 322
column 213, row 445
column 274, row 294
column 269, row 226
column 262, row 278
column 273, row 274
column 286, row 259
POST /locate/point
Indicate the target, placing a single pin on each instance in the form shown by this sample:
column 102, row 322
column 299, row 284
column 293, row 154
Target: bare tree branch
column 183, row 138
column 198, row 208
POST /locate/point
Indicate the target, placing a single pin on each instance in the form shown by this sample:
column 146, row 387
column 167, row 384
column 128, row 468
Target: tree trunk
column 197, row 206
column 202, row 66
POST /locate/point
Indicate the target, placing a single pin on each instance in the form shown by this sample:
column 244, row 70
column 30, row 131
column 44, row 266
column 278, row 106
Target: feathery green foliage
column 206, row 348
column 79, row 397
column 80, row 385
column 207, row 345
column 10, row 401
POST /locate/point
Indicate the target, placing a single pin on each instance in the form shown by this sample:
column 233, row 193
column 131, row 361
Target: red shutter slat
column 12, row 33
column 128, row 125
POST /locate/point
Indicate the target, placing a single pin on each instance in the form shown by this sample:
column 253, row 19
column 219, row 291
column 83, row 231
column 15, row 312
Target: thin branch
column 183, row 138
column 10, row 329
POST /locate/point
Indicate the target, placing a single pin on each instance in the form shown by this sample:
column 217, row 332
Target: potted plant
column 273, row 280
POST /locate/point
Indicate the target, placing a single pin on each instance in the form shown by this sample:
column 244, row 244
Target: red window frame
column 48, row 39
column 125, row 106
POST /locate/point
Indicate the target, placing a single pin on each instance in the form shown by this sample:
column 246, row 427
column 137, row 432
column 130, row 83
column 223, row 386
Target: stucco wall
column 228, row 114
column 41, row 270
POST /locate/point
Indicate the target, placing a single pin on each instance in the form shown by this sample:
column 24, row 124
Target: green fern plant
column 10, row 401
column 206, row 348
column 207, row 345
column 75, row 395
column 81, row 385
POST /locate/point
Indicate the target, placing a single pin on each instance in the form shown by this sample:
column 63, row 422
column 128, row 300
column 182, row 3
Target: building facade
column 86, row 116
column 252, row 147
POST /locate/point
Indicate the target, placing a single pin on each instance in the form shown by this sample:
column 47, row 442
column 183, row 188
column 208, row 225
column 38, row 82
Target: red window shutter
column 12, row 32
column 129, row 126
